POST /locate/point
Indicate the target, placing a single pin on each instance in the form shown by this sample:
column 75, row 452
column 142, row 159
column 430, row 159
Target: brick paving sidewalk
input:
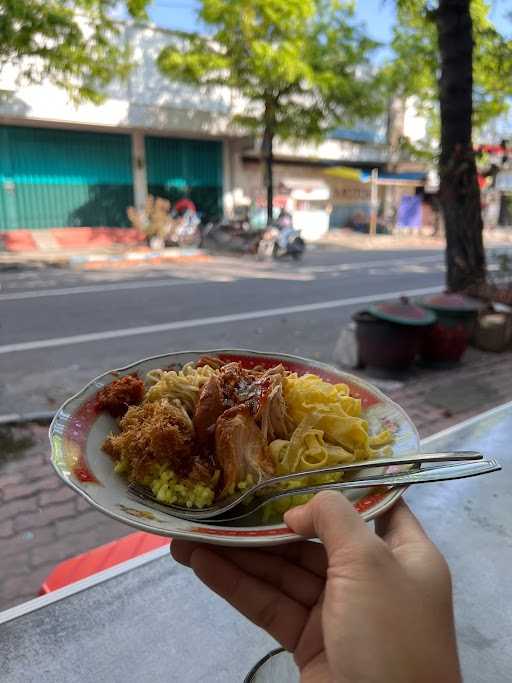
column 43, row 522
column 437, row 399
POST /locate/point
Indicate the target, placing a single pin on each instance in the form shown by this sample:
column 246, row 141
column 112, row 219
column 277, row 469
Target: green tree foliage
column 299, row 66
column 414, row 69
column 76, row 45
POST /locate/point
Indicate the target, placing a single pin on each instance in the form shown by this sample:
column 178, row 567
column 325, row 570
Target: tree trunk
column 459, row 191
column 267, row 150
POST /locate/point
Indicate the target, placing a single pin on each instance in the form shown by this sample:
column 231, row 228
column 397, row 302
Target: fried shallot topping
column 117, row 397
column 158, row 432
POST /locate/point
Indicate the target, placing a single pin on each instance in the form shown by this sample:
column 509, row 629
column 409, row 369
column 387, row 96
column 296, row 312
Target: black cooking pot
column 390, row 335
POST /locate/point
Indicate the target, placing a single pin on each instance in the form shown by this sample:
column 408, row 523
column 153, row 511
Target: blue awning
column 383, row 175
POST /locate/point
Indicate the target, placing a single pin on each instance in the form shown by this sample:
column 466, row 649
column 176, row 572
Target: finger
column 294, row 581
column 399, row 526
column 298, row 570
column 265, row 605
column 311, row 642
column 331, row 517
column 182, row 550
column 414, row 550
column 307, row 554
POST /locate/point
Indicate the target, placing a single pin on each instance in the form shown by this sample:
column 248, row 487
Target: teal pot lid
column 402, row 312
column 451, row 303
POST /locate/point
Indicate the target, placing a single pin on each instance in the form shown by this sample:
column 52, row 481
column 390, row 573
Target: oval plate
column 77, row 433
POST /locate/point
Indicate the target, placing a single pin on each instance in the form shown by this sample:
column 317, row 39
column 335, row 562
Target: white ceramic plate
column 78, row 431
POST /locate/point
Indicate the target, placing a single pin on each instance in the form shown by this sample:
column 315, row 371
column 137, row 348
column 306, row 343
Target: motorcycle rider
column 185, row 223
column 284, row 224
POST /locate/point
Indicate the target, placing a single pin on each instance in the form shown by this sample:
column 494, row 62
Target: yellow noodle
column 184, row 385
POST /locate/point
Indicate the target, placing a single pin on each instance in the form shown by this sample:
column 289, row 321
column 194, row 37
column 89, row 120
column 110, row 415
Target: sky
column 181, row 14
column 378, row 15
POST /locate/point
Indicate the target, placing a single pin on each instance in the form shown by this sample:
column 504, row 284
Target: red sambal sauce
column 76, row 432
column 83, row 474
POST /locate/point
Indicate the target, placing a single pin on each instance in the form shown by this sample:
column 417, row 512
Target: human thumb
column 330, row 517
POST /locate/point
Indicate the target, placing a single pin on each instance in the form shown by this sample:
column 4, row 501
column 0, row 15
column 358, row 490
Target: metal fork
column 143, row 493
column 433, row 474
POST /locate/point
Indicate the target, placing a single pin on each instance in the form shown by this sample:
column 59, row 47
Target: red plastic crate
column 101, row 558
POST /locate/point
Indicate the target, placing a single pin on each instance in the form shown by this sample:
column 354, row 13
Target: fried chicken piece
column 230, row 376
column 240, row 449
column 240, row 386
column 202, row 471
column 213, row 362
column 209, row 407
column 273, row 417
column 117, row 397
column 159, row 431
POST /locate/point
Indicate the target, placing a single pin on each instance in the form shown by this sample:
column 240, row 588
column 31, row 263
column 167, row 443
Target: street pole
column 269, row 161
column 374, row 201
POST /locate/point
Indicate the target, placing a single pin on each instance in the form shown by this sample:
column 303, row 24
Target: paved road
column 59, row 328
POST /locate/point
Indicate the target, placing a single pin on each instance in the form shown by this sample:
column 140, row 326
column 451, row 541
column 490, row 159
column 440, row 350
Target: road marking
column 233, row 269
column 356, row 265
column 87, row 289
column 214, row 320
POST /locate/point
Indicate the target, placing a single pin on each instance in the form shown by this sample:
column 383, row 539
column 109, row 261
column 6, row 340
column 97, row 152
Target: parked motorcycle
column 277, row 244
column 165, row 226
column 184, row 230
column 232, row 236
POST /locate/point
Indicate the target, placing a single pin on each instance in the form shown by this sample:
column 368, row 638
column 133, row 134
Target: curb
column 123, row 259
column 132, row 258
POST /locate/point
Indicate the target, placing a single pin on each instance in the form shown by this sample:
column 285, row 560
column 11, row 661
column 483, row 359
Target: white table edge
column 78, row 586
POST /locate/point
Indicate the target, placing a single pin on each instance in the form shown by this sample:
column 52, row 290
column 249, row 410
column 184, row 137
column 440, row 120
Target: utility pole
column 374, row 201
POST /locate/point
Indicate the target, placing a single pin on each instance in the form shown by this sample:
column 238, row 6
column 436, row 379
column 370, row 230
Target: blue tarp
column 409, row 212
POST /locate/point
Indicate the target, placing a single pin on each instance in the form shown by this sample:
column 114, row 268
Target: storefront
column 341, row 199
column 350, row 201
column 179, row 168
column 53, row 178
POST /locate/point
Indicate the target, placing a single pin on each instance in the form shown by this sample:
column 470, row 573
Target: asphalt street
column 60, row 328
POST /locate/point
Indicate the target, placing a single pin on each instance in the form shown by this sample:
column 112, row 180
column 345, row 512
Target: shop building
column 64, row 165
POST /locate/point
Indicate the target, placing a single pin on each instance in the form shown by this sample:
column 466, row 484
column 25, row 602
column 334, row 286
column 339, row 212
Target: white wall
column 147, row 100
column 334, row 150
